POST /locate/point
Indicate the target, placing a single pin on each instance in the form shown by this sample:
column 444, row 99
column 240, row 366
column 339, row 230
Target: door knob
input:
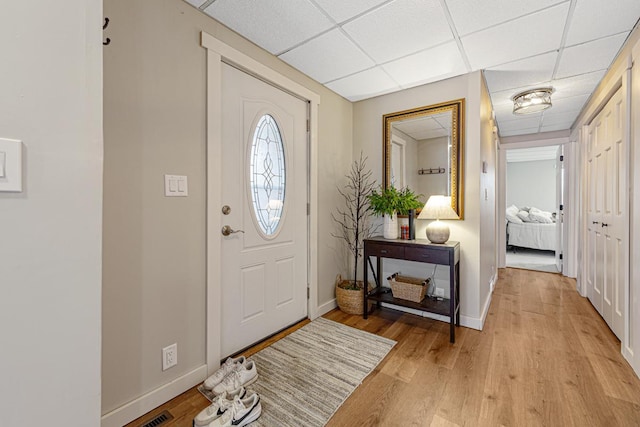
column 605, row 225
column 595, row 222
column 226, row 231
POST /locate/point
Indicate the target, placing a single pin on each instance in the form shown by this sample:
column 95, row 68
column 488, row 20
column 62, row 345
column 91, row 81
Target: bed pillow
column 513, row 218
column 540, row 216
column 524, row 216
column 512, row 210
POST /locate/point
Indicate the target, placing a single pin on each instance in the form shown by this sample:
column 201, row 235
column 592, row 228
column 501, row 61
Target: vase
column 390, row 228
column 412, row 226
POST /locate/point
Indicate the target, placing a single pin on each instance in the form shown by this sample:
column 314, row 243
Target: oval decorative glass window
column 267, row 174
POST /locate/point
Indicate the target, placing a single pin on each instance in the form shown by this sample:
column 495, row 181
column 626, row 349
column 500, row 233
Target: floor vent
column 162, row 418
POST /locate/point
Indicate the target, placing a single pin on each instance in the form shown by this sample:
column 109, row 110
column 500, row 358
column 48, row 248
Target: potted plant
column 391, row 202
column 354, row 226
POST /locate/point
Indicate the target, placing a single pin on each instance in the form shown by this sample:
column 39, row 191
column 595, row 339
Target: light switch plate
column 10, row 165
column 176, row 186
column 3, row 167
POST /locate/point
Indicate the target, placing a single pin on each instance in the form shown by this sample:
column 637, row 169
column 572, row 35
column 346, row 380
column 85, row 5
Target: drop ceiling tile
column 530, row 35
column 276, row 25
column 504, row 116
column 593, row 19
column 366, row 84
column 525, row 120
column 558, row 126
column 577, row 85
column 588, row 57
column 328, row 57
column 520, row 123
column 473, row 15
column 553, row 118
column 567, row 105
column 400, row 28
column 515, row 132
column 430, row 134
column 196, row 3
column 524, row 72
column 438, row 63
column 341, row 10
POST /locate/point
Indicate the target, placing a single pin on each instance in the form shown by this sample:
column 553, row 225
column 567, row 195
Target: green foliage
column 390, row 200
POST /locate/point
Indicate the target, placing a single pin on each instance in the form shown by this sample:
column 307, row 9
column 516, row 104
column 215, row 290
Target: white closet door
column 607, row 214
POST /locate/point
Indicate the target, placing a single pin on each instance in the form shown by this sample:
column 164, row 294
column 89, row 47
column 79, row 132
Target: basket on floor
column 409, row 288
column 350, row 301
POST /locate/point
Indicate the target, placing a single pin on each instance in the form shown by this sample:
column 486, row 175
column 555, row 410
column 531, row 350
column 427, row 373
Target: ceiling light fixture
column 532, row 101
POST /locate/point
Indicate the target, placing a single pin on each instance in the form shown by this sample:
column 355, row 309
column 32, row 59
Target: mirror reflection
column 421, row 151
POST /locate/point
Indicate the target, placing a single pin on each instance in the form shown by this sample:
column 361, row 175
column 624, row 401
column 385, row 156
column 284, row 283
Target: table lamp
column 438, row 207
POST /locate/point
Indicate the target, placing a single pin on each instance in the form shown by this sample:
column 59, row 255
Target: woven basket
column 349, row 300
column 409, row 288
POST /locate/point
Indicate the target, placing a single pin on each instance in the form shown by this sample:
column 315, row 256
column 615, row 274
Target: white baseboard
column 474, row 322
column 466, row 321
column 326, row 307
column 151, row 400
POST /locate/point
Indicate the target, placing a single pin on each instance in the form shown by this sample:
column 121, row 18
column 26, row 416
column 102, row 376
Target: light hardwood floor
column 544, row 358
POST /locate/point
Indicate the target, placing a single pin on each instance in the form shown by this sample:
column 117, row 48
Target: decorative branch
column 354, row 219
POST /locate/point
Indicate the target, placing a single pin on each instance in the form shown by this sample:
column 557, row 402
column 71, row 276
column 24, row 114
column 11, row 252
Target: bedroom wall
column 367, row 136
column 532, row 184
column 154, row 247
column 50, row 233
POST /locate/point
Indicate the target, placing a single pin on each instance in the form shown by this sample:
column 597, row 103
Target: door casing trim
column 217, row 53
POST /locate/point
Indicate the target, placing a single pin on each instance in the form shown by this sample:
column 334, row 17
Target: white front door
column 607, row 242
column 264, row 169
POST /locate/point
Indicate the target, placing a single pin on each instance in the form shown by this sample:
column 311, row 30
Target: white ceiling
column 364, row 48
column 532, row 154
column 426, row 127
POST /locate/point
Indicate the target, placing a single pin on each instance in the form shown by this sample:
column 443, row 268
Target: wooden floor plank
column 543, row 358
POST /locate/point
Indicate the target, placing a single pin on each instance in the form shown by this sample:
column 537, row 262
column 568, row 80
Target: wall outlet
column 440, row 292
column 169, row 356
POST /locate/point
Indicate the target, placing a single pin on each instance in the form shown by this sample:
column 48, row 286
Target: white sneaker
column 228, row 366
column 241, row 413
column 243, row 375
column 218, row 407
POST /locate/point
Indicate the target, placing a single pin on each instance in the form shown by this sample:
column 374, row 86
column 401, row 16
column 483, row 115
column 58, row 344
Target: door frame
column 217, row 54
column 569, row 254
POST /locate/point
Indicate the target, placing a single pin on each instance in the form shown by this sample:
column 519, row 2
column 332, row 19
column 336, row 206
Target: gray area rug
column 305, row 377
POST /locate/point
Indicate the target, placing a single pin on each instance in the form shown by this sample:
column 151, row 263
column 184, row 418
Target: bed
column 524, row 230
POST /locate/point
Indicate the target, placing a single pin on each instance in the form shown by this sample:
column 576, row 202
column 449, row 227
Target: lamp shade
column 438, row 207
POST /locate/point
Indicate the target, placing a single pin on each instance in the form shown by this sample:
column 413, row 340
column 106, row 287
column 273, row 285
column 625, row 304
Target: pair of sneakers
column 233, row 374
column 237, row 408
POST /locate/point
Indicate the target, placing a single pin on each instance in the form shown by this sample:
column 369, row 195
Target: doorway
column 264, row 197
column 219, row 56
column 534, row 186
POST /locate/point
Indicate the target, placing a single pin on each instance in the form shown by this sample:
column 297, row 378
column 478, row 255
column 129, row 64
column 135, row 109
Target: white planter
column 390, row 227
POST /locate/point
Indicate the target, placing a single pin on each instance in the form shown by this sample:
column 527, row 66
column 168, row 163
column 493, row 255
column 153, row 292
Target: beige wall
column 50, row 233
column 367, row 136
column 154, row 247
column 488, row 217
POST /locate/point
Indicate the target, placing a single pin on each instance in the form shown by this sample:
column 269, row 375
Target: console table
column 421, row 251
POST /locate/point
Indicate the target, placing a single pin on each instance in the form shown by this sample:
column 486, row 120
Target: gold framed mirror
column 423, row 149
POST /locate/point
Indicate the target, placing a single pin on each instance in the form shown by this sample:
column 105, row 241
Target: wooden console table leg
column 365, row 286
column 453, row 295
